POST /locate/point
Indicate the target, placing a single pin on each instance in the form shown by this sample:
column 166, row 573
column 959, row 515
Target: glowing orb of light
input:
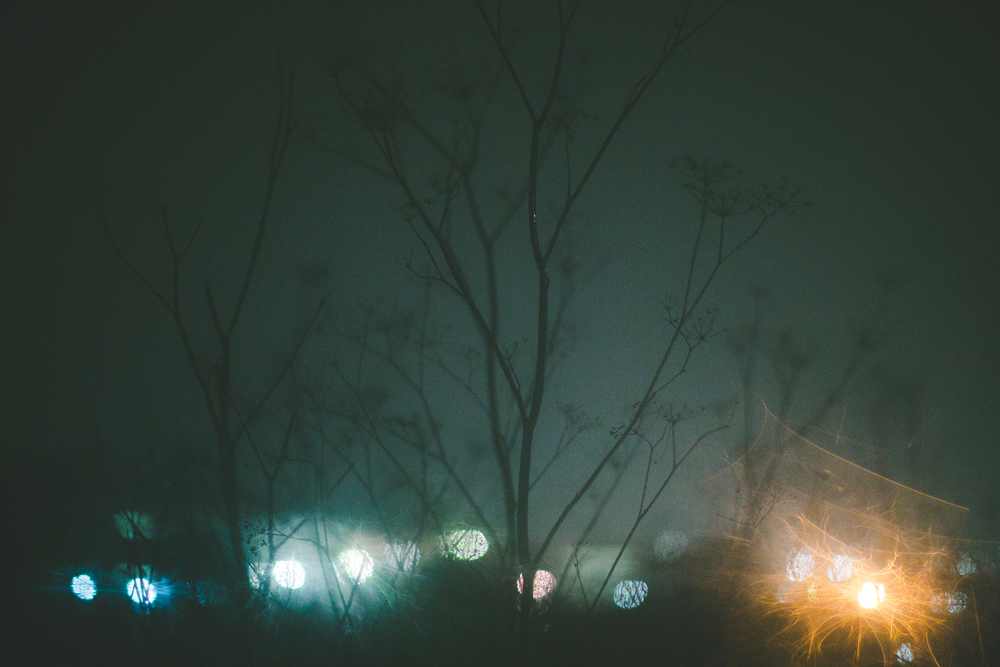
column 630, row 594
column 800, row 564
column 289, row 574
column 542, row 586
column 840, row 569
column 141, row 591
column 871, row 595
column 904, row 654
column 966, row 565
column 670, row 545
column 132, row 524
column 957, row 603
column 464, row 545
column 83, row 587
column 356, row 566
column 402, row 556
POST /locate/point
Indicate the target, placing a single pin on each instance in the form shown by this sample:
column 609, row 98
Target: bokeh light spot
column 141, row 591
column 542, row 587
column 83, row 587
column 465, row 545
column 289, row 574
column 670, row 545
column 800, row 565
column 355, row 566
column 630, row 594
column 905, row 653
column 840, row 569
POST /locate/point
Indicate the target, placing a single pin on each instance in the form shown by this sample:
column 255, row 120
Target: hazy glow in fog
column 141, row 591
column 402, row 556
column 670, row 545
column 870, row 595
column 355, row 566
column 289, row 574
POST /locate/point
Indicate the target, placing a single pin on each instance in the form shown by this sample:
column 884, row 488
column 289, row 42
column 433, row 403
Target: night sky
column 885, row 114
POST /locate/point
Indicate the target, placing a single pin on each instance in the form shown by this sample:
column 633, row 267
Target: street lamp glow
column 870, row 595
column 83, row 587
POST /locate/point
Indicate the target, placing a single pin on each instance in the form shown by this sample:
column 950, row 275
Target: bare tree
column 231, row 415
column 444, row 202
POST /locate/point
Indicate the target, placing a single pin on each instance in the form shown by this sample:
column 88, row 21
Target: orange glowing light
column 870, row 595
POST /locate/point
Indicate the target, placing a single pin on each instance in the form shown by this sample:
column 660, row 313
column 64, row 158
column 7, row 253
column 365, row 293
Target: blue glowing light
column 141, row 591
column 83, row 587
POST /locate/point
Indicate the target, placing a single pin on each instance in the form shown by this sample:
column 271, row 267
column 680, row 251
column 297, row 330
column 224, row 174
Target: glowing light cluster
column 670, row 545
column 355, row 566
column 880, row 580
column 402, row 556
column 630, row 594
column 464, row 545
column 871, row 595
column 957, row 602
column 542, row 586
column 83, row 587
column 800, row 564
column 141, row 591
column 289, row 574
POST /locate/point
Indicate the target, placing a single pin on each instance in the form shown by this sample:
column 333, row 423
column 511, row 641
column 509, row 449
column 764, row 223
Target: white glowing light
column 132, row 525
column 904, row 654
column 141, row 591
column 957, row 603
column 542, row 586
column 630, row 594
column 355, row 565
column 83, row 587
column 871, row 595
column 966, row 565
column 800, row 564
column 840, row 569
column 402, row 556
column 670, row 545
column 465, row 545
column 289, row 574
